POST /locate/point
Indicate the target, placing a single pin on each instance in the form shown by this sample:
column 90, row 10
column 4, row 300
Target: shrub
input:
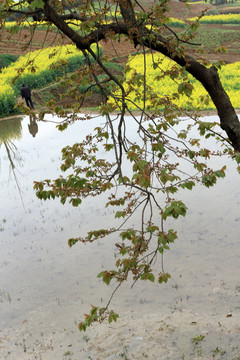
column 6, row 60
column 7, row 99
column 212, row 12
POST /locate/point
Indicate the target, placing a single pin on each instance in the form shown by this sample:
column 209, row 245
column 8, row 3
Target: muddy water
column 41, row 275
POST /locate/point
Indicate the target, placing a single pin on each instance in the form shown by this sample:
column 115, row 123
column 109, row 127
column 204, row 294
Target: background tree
column 144, row 175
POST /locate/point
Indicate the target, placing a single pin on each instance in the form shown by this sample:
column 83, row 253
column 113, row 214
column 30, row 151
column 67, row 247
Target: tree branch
column 142, row 36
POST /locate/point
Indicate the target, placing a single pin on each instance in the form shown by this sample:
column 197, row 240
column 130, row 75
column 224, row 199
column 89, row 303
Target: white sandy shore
column 174, row 336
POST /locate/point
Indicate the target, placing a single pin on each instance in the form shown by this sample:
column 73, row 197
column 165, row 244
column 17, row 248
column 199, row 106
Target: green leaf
column 151, row 277
column 188, row 185
column 107, row 278
column 158, row 147
column 127, row 235
column 209, row 180
column 90, row 173
column 72, row 242
column 220, row 173
column 191, row 154
column 195, row 26
column 63, row 199
column 204, row 125
column 62, row 127
column 82, row 326
column 152, row 228
column 237, row 157
column 200, row 166
column 37, row 4
column 185, row 88
column 75, row 202
column 108, row 147
column 172, row 189
column 101, row 274
column 112, row 317
column 140, row 165
column 175, row 209
column 171, row 235
column 120, row 214
column 144, row 180
column 148, row 276
column 132, row 156
column 163, row 277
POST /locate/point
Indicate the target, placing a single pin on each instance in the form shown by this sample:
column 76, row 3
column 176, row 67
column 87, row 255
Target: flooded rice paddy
column 42, row 278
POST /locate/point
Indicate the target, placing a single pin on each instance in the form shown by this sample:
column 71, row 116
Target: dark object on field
column 26, row 94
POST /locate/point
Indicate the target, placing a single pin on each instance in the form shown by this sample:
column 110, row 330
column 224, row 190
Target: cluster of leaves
column 97, row 314
column 145, row 180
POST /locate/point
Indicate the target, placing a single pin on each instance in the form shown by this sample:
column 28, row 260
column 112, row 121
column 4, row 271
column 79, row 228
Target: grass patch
column 117, row 67
column 6, row 60
column 211, row 39
column 198, row 339
column 57, row 92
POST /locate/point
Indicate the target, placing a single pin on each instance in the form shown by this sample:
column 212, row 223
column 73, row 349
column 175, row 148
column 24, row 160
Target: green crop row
column 7, row 102
column 7, row 59
column 177, row 23
column 233, row 19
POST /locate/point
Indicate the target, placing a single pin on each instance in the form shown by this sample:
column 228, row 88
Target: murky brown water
column 40, row 274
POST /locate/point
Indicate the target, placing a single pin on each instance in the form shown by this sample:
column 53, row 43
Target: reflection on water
column 37, row 267
column 11, row 130
column 33, row 126
column 41, row 274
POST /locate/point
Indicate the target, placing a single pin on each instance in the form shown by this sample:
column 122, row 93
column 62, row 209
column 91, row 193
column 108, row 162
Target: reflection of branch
column 9, row 155
column 9, row 149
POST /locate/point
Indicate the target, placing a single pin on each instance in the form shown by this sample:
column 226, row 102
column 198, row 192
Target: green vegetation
column 37, row 69
column 219, row 3
column 177, row 23
column 57, row 89
column 219, row 37
column 7, row 59
column 218, row 351
column 233, row 19
column 193, row 95
column 10, row 130
column 197, row 339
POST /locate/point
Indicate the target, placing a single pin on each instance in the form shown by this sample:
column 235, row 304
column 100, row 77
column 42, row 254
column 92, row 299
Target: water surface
column 40, row 274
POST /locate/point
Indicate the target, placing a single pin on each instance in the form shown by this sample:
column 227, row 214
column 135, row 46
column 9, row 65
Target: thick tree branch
column 141, row 35
column 209, row 78
column 24, row 12
column 82, row 42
